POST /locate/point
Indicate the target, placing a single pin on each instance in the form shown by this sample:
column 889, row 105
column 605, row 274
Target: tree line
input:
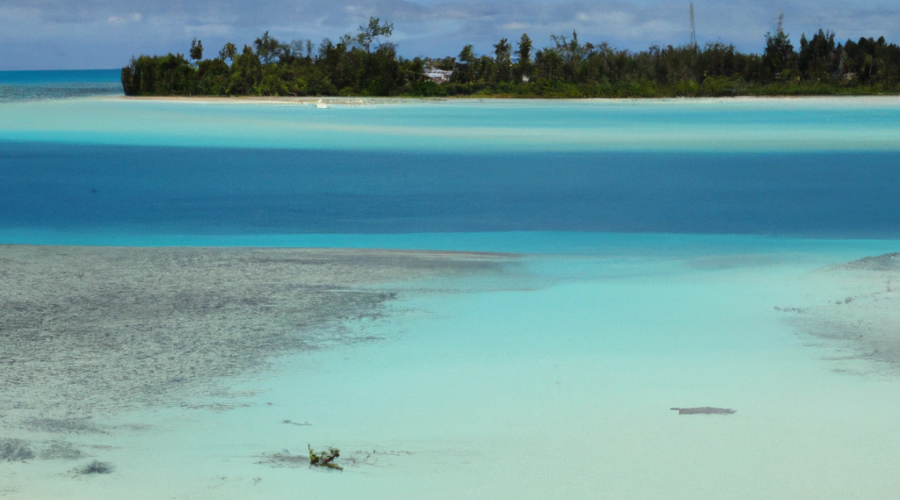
column 367, row 64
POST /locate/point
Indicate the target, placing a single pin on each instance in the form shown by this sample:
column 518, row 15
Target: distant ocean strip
column 16, row 86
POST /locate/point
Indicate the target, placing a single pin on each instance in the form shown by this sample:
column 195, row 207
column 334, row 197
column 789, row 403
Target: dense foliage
column 366, row 64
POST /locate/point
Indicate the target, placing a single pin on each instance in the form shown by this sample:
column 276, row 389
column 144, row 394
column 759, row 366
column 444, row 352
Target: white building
column 437, row 75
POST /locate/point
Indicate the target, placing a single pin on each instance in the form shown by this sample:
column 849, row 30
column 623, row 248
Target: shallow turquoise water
column 849, row 124
column 656, row 239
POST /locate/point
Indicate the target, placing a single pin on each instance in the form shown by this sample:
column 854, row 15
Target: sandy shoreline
column 99, row 330
column 306, row 101
column 864, row 100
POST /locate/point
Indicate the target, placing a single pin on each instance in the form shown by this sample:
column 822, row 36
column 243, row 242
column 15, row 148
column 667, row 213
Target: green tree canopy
column 196, row 52
column 228, row 52
column 779, row 54
column 366, row 64
column 267, row 48
column 373, row 33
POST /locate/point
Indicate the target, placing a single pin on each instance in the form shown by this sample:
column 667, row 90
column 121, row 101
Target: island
column 367, row 64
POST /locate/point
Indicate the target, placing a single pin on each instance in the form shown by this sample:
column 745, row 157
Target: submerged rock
column 706, row 410
column 96, row 467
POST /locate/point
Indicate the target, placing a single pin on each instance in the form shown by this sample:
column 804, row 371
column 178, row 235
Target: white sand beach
column 828, row 100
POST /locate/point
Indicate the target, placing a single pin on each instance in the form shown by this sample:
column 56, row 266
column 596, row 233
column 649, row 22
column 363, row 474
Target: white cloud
column 130, row 18
column 515, row 26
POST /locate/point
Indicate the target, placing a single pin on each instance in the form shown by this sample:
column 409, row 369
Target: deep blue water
column 166, row 190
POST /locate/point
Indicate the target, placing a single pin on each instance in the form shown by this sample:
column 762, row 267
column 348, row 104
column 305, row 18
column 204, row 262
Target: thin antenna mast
column 693, row 34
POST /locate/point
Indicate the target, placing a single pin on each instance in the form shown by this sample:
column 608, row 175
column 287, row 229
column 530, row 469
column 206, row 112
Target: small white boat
column 321, row 104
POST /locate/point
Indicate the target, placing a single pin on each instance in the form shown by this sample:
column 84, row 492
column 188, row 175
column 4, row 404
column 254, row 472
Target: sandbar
column 856, row 309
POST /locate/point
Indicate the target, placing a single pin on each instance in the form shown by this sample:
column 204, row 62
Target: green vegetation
column 366, row 64
column 324, row 458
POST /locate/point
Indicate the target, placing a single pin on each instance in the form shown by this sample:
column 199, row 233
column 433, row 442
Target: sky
column 94, row 34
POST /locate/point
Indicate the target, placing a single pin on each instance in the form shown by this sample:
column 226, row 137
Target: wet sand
column 95, row 331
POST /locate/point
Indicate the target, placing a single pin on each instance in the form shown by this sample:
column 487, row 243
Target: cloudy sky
column 71, row 34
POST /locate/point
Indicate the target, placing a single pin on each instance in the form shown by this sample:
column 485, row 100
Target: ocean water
column 656, row 239
column 17, row 86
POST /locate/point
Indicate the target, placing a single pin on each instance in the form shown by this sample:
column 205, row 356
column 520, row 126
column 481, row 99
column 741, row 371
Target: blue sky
column 72, row 34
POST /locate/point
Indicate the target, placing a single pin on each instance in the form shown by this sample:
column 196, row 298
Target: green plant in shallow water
column 324, row 458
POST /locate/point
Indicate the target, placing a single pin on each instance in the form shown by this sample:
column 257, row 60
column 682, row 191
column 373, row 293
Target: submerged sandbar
column 856, row 308
column 95, row 330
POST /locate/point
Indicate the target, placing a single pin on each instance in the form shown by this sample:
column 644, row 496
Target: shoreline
column 892, row 99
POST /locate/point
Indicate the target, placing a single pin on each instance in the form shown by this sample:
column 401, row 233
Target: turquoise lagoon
column 656, row 237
